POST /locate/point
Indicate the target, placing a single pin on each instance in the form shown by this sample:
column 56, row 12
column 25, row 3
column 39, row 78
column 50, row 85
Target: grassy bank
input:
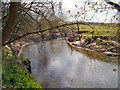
column 16, row 71
column 102, row 38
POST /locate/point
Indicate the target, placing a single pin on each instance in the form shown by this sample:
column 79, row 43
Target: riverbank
column 19, row 44
column 87, row 40
column 101, row 44
column 16, row 71
column 103, row 39
column 12, row 59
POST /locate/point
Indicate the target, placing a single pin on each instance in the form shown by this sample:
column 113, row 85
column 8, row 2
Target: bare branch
column 32, row 17
column 40, row 31
column 116, row 6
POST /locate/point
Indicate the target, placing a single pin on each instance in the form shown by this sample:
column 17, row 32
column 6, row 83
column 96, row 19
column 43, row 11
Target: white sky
column 98, row 17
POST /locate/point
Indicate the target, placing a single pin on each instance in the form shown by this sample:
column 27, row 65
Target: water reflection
column 56, row 67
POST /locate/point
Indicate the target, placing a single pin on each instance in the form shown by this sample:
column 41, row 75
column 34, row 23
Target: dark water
column 54, row 65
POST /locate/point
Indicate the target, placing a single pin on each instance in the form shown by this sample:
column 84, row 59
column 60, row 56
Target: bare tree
column 41, row 10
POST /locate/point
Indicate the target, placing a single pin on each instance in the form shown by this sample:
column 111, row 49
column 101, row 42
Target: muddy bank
column 102, row 44
column 19, row 44
column 105, row 44
column 49, row 35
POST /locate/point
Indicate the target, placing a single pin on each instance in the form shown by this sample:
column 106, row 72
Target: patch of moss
column 98, row 40
column 98, row 48
column 88, row 39
column 89, row 45
column 104, row 42
column 15, row 73
column 111, row 43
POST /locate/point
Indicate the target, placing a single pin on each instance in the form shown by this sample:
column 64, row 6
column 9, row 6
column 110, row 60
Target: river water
column 55, row 65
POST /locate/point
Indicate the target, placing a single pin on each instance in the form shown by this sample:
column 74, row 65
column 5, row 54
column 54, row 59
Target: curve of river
column 55, row 65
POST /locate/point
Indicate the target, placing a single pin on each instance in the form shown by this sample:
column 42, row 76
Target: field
column 102, row 30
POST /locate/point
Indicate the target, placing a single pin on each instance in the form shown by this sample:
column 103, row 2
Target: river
column 55, row 65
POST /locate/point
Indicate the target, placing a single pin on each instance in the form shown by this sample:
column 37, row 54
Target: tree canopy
column 40, row 16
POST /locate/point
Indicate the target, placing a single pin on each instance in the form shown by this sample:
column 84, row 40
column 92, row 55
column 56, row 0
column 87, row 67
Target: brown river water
column 55, row 65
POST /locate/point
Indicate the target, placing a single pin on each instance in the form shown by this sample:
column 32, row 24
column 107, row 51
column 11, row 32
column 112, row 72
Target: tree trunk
column 11, row 21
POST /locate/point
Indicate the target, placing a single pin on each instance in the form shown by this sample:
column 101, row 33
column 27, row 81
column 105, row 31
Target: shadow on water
column 54, row 65
column 97, row 55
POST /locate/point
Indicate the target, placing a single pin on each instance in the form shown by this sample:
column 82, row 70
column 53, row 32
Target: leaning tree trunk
column 11, row 21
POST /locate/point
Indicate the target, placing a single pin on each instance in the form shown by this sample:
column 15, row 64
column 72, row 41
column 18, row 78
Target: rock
column 27, row 63
column 70, row 39
column 112, row 54
column 77, row 42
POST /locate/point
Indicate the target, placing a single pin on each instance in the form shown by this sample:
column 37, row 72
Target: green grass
column 15, row 73
column 98, row 30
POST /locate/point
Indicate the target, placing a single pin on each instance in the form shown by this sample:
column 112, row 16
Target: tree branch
column 36, row 32
column 32, row 17
column 116, row 6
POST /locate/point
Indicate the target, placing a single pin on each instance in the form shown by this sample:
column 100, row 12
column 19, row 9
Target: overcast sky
column 105, row 16
column 98, row 17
